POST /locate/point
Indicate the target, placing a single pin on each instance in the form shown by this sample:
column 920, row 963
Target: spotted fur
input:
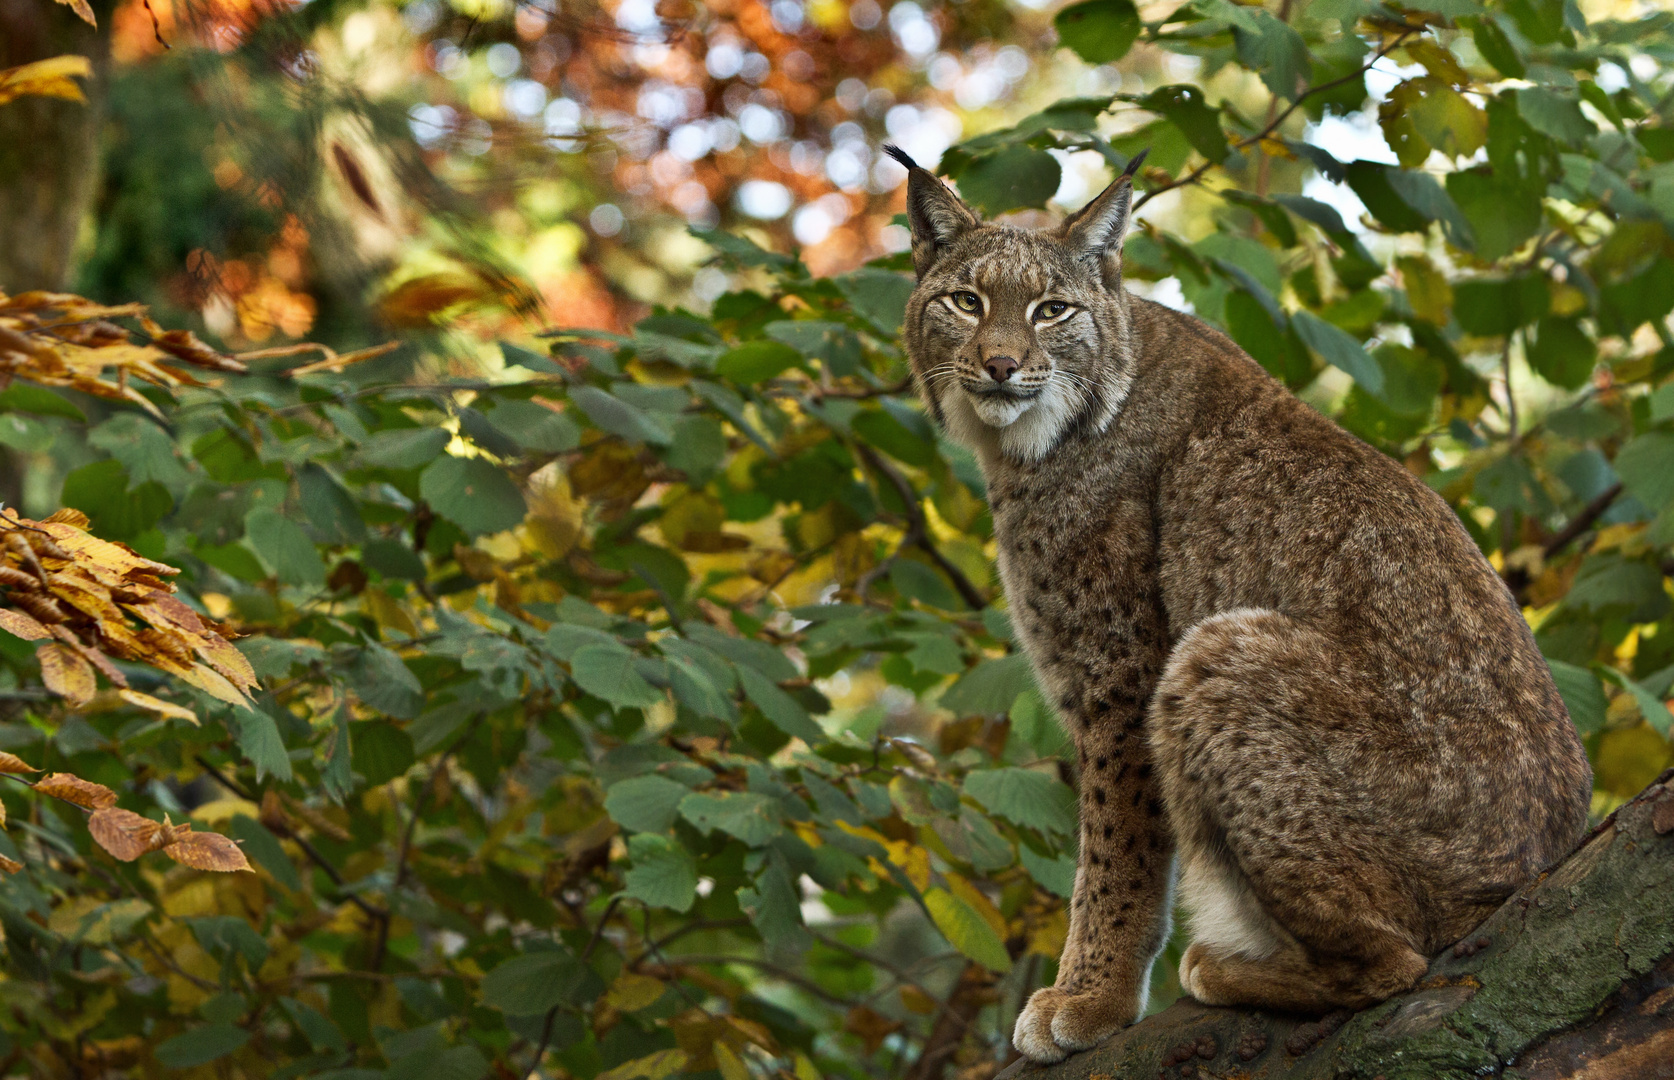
column 1284, row 663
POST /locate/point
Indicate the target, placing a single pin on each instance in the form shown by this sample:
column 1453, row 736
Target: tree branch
column 917, row 528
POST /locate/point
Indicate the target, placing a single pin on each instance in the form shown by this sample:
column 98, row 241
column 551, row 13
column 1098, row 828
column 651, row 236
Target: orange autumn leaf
column 125, row 834
column 73, row 789
column 11, row 763
column 10, row 866
column 206, row 851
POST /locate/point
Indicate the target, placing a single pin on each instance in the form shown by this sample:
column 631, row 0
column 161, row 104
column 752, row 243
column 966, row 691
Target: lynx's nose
column 1000, row 367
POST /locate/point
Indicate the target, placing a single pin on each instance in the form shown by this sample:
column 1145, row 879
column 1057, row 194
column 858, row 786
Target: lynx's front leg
column 1120, row 910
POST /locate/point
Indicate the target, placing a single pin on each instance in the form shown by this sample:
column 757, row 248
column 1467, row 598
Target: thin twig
column 1274, row 124
column 1582, row 521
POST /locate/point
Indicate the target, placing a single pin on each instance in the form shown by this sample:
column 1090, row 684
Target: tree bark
column 1572, row 978
column 49, row 148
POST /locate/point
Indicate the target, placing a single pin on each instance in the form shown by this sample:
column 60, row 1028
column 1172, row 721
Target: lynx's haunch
column 1286, row 668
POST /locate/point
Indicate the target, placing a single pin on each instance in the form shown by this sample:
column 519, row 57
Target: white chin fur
column 1023, row 430
column 999, row 410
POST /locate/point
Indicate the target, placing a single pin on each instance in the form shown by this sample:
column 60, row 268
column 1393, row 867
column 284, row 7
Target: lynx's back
column 1286, row 667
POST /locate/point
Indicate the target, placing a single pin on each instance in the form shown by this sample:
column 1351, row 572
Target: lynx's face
column 1007, row 333
column 1016, row 336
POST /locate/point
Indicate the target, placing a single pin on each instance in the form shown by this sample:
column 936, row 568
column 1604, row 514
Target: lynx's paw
column 1194, row 971
column 1057, row 1023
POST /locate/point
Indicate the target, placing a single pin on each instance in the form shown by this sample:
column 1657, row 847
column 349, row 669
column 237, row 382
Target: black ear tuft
column 900, row 155
column 1133, row 162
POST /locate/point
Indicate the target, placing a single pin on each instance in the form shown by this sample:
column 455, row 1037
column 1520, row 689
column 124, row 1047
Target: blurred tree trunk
column 1573, row 979
column 49, row 148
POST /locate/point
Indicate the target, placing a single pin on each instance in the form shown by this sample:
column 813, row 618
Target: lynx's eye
column 1050, row 310
column 968, row 302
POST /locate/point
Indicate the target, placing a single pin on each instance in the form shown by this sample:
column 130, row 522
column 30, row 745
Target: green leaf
column 1495, row 45
column 472, row 493
column 743, row 251
column 621, row 419
column 1025, row 797
column 335, row 776
column 328, row 508
column 756, row 361
column 535, row 427
column 1646, row 466
column 382, row 681
column 264, row 850
column 775, row 909
column 1014, row 177
column 699, row 447
column 143, row 448
column 750, row 817
column 1626, row 305
column 1185, row 107
column 404, row 449
column 526, row 358
column 878, row 296
column 1563, row 353
column 382, row 752
column 780, row 708
column 1489, row 307
column 966, row 930
column 607, row 672
column 1057, row 875
column 392, row 559
column 1098, row 31
column 1651, row 707
column 990, row 687
column 1339, row 349
column 534, row 982
column 101, row 491
column 1275, row 52
column 285, row 548
column 1554, row 114
column 27, row 397
column 645, row 804
column 916, row 581
column 1582, row 694
column 259, row 739
column 454, row 1063
column 663, row 873
column 200, row 1046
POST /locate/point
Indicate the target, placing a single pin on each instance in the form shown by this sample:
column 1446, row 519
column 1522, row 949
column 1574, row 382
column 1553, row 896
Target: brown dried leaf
column 10, row 866
column 83, row 9
column 11, row 763
column 125, row 834
column 73, row 789
column 23, row 626
column 66, row 673
column 207, row 851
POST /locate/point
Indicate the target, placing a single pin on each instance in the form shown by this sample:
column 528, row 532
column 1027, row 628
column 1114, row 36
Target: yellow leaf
column 918, row 1001
column 632, row 992
column 979, row 903
column 49, row 78
column 729, row 1064
column 914, row 861
column 966, row 930
column 658, row 1066
column 162, row 708
column 1428, row 290
column 66, row 673
column 24, row 626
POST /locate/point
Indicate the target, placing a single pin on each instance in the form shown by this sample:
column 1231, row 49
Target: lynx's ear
column 1094, row 233
column 935, row 213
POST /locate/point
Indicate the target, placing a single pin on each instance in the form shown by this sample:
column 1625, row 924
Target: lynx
column 1288, row 673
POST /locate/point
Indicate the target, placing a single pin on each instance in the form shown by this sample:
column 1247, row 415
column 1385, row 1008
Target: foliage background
column 637, row 697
